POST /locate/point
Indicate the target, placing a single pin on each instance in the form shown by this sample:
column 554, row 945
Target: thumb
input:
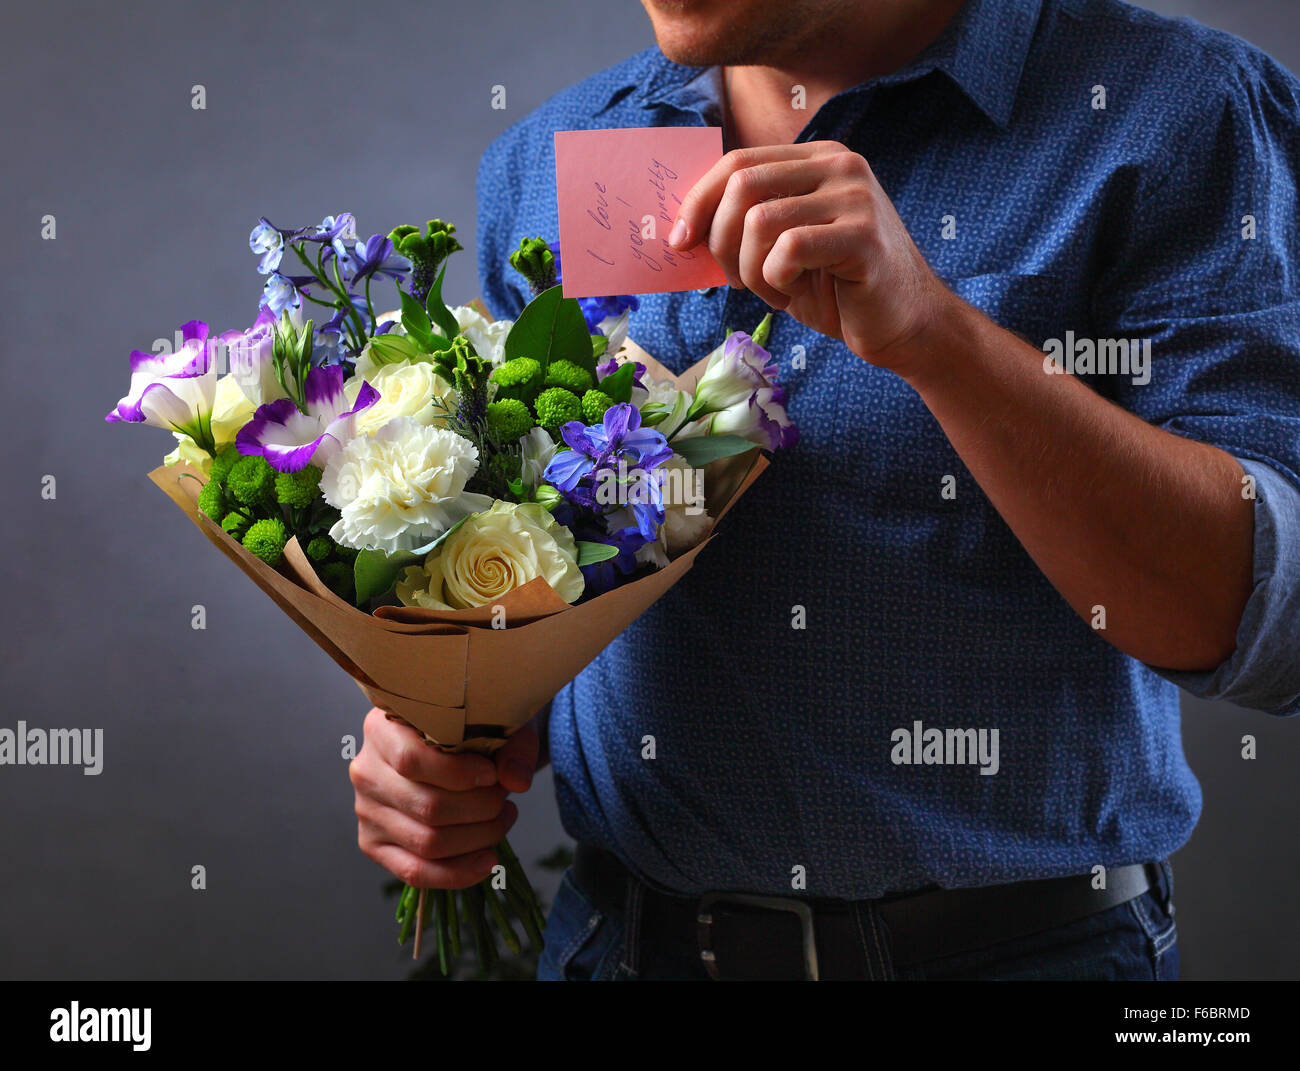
column 517, row 759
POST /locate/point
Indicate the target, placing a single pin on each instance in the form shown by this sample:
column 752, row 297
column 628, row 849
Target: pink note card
column 618, row 192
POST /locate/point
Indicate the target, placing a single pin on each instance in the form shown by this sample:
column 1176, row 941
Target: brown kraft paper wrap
column 462, row 683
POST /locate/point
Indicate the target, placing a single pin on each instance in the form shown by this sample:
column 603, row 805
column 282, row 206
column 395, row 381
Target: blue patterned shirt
column 1065, row 166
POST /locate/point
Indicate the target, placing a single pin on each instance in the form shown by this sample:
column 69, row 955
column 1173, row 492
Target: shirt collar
column 982, row 50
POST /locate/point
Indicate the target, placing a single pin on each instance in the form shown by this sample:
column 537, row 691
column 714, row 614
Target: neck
column 850, row 48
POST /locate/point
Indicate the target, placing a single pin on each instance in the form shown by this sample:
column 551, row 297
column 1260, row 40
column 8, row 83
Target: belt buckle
column 704, row 925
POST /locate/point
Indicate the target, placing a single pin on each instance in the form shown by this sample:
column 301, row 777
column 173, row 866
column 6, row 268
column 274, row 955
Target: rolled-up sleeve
column 1209, row 272
column 1264, row 671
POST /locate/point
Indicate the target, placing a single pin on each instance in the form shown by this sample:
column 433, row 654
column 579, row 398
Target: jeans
column 1134, row 941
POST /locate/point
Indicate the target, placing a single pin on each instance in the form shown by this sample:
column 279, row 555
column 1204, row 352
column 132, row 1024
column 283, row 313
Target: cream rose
column 406, row 389
column 491, row 554
column 231, row 410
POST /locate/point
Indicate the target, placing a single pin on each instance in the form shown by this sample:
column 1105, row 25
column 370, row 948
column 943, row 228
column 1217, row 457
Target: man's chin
column 717, row 32
column 697, row 55
column 702, row 51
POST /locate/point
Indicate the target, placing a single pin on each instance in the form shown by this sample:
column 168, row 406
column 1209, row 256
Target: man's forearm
column 1115, row 512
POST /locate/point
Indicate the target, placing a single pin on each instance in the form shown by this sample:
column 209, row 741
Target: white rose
column 488, row 336
column 400, row 487
column 231, row 410
column 406, row 389
column 491, row 554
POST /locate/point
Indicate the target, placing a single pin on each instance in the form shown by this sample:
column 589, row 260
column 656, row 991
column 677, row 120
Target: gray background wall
column 223, row 746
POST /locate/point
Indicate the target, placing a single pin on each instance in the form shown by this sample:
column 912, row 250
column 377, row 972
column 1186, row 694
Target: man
column 1037, row 265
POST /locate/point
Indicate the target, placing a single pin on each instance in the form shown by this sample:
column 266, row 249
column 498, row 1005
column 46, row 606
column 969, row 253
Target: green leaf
column 591, row 553
column 433, row 544
column 552, row 328
column 699, row 452
column 416, row 321
column 438, row 312
column 618, row 384
column 599, row 344
column 375, row 572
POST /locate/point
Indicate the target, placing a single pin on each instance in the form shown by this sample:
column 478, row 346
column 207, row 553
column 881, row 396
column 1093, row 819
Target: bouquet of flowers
column 461, row 512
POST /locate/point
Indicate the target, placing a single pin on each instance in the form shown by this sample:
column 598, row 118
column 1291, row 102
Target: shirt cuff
column 1263, row 673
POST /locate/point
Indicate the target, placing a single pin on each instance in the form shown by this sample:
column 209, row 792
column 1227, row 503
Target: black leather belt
column 740, row 936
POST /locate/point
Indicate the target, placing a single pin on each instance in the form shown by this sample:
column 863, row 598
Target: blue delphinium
column 597, row 309
column 619, row 455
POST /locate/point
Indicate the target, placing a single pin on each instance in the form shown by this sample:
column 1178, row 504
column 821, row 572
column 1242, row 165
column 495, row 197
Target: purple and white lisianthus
column 291, row 438
column 740, row 390
column 249, row 353
column 174, row 390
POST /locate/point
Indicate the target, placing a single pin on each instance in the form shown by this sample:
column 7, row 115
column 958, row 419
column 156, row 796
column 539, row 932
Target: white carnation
column 400, row 487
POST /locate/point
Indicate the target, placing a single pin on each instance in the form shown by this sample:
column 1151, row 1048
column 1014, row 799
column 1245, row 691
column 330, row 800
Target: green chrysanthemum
column 252, row 481
column 556, row 406
column 265, row 539
column 594, row 404
column 223, row 463
column 297, row 488
column 570, row 376
column 235, row 524
column 319, row 548
column 517, row 378
column 509, row 418
column 212, row 500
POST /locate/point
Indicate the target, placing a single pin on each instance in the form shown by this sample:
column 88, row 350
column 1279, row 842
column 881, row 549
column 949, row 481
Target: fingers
column 517, row 759
column 808, row 248
column 701, row 202
column 764, row 223
column 432, row 818
column 402, row 748
column 384, row 825
column 376, row 780
column 459, row 873
column 746, row 189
